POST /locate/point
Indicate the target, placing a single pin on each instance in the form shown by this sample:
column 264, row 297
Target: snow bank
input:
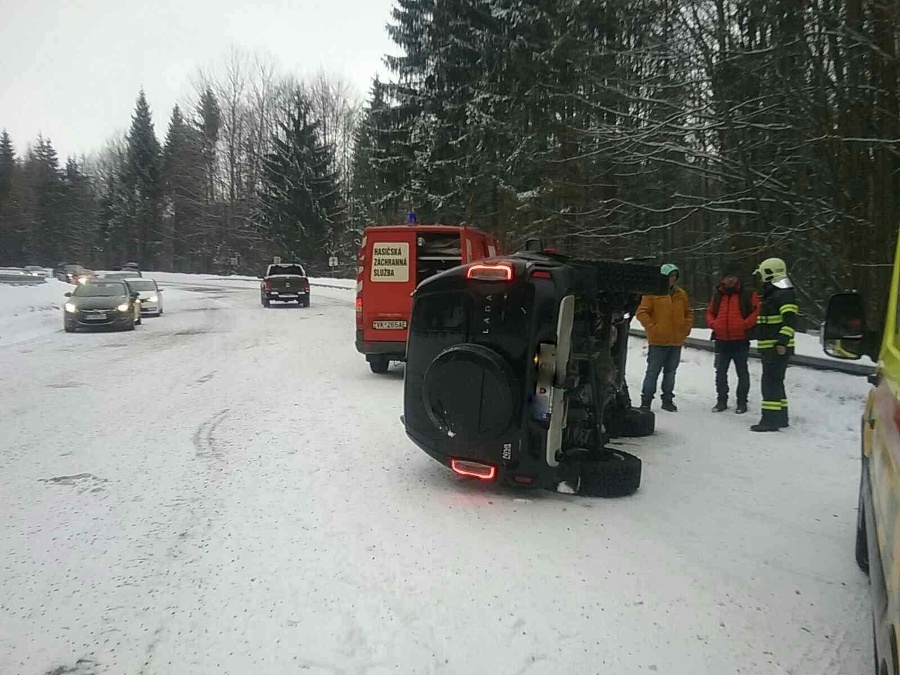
column 27, row 312
column 238, row 280
column 807, row 345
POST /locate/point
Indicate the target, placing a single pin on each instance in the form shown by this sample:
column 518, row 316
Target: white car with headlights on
column 150, row 294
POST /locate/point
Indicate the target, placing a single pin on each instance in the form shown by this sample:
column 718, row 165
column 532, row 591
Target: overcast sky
column 71, row 69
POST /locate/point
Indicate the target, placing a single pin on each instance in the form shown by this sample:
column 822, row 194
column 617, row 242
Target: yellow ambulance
column 846, row 335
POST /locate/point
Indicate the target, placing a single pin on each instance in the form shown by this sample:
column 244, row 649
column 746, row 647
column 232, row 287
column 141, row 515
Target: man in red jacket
column 732, row 314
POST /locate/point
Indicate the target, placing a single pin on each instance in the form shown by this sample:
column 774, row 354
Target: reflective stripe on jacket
column 777, row 318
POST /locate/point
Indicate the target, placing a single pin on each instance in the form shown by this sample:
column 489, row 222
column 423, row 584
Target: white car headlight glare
column 123, row 307
column 71, row 307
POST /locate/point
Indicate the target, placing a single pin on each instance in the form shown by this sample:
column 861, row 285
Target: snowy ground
column 228, row 489
column 30, row 311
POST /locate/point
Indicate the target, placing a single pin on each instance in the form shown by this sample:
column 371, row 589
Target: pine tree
column 113, row 200
column 380, row 176
column 185, row 191
column 7, row 164
column 400, row 121
column 10, row 225
column 143, row 178
column 80, row 212
column 300, row 194
column 209, row 124
column 44, row 231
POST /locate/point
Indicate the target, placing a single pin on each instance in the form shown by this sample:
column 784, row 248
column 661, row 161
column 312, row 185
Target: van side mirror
column 845, row 334
column 534, row 245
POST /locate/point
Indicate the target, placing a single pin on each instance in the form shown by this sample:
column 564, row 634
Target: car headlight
column 123, row 307
column 153, row 298
column 82, row 280
column 71, row 307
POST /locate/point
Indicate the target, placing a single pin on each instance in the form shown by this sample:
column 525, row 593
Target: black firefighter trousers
column 774, row 397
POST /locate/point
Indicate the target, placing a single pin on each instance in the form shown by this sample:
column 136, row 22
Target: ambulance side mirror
column 845, row 334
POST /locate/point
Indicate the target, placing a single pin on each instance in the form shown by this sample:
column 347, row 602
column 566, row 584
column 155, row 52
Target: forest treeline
column 704, row 132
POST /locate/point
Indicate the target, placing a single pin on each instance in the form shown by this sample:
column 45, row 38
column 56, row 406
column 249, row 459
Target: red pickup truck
column 284, row 282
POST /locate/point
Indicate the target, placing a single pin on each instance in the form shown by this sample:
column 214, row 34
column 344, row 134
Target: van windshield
column 437, row 252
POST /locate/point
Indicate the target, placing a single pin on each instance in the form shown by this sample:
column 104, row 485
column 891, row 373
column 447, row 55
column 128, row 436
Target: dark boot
column 720, row 406
column 645, row 402
column 783, row 422
column 769, row 422
column 741, row 409
column 669, row 406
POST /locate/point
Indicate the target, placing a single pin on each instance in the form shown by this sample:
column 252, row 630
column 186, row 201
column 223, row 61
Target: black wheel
column 379, row 364
column 614, row 474
column 69, row 329
column 265, row 302
column 862, row 543
column 637, row 423
column 130, row 325
column 305, row 303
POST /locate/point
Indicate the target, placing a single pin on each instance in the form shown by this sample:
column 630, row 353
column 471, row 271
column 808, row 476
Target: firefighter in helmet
column 776, row 326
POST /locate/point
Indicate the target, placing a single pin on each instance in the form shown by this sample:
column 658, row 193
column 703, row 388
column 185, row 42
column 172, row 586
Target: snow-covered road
column 228, row 489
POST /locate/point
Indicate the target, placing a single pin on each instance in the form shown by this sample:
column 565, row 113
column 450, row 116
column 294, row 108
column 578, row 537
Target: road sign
column 333, row 261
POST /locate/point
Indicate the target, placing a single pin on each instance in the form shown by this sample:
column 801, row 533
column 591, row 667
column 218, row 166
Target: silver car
column 150, row 294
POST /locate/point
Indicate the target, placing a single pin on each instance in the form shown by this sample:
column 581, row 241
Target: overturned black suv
column 515, row 370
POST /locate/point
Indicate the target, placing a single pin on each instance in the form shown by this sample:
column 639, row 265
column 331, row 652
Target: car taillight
column 490, row 272
column 268, row 285
column 474, row 469
column 359, row 305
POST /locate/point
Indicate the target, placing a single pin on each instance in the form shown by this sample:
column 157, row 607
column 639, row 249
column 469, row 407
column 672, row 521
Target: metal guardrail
column 21, row 279
column 342, row 288
column 815, row 363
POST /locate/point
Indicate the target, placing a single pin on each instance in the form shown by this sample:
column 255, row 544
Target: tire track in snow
column 206, row 447
column 204, row 437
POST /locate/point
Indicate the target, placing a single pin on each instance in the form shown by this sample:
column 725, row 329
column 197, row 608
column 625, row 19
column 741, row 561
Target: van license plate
column 388, row 325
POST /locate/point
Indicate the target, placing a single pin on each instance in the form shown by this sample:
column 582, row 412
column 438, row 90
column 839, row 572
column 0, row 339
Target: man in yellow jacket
column 668, row 320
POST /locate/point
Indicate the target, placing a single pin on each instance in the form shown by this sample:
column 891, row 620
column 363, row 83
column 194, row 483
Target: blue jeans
column 665, row 359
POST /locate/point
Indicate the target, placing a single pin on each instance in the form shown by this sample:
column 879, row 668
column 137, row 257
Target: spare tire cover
column 469, row 391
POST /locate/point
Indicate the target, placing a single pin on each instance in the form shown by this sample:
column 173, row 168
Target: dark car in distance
column 102, row 304
column 284, row 282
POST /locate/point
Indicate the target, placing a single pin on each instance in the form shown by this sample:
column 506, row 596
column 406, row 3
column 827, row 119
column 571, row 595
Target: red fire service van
column 392, row 261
